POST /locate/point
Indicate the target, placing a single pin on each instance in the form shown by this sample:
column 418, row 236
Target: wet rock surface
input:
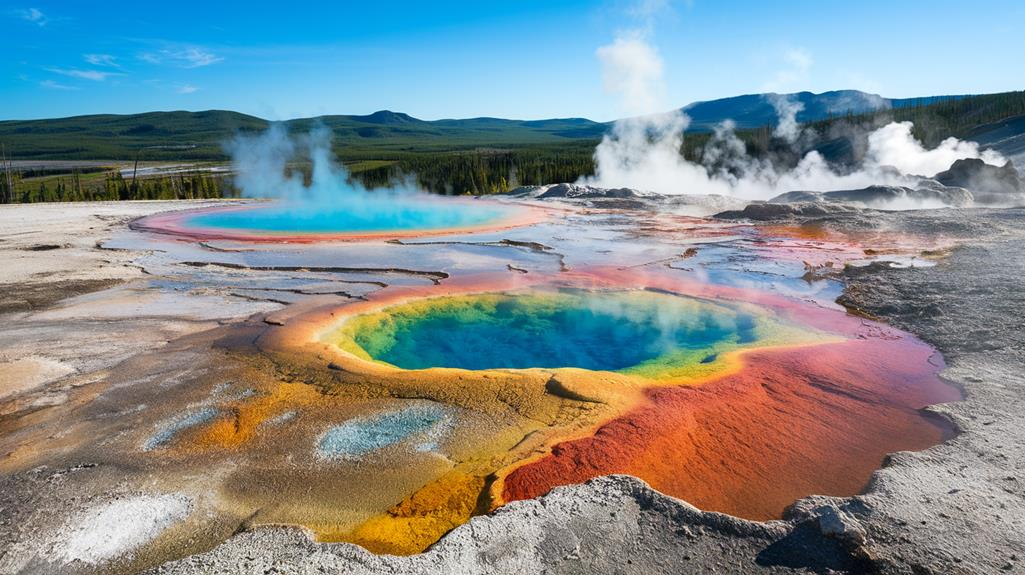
column 960, row 507
column 764, row 212
column 930, row 194
column 628, row 199
column 990, row 184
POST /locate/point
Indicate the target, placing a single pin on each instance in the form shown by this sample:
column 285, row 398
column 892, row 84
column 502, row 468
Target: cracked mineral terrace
column 176, row 406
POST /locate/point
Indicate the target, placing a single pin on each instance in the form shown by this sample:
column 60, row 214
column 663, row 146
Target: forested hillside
column 477, row 156
column 175, row 136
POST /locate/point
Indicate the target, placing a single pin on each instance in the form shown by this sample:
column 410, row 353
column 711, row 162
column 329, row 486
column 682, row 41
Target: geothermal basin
column 728, row 397
column 385, row 392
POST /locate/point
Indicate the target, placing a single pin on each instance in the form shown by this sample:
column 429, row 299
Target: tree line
column 112, row 186
column 938, row 120
column 485, row 171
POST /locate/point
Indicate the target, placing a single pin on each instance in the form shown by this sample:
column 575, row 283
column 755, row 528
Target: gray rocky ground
column 51, row 253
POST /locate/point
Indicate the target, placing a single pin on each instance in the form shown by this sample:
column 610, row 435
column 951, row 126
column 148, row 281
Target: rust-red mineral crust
column 793, row 422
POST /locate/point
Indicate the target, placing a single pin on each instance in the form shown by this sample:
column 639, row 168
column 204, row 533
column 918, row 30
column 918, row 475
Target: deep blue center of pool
column 598, row 331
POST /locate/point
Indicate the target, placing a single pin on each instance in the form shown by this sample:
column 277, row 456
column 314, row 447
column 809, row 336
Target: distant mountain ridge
column 200, row 135
column 754, row 110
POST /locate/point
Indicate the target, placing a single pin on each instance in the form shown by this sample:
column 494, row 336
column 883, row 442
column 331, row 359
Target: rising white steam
column 260, row 163
column 643, row 151
column 787, row 108
column 797, row 62
column 329, row 200
column 858, row 101
column 894, row 145
column 632, row 69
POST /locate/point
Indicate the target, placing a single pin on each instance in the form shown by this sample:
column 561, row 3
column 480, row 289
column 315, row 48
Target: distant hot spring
column 368, row 216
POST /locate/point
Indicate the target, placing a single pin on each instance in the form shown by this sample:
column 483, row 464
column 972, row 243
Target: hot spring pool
column 386, row 214
column 595, row 330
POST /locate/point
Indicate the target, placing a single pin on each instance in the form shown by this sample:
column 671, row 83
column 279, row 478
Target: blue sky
column 523, row 59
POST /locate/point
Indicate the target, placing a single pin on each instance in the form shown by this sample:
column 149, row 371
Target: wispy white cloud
column 182, row 57
column 33, row 15
column 632, row 68
column 797, row 63
column 858, row 81
column 631, row 65
column 53, row 85
column 94, row 75
column 645, row 14
column 166, row 86
column 644, row 9
column 101, row 60
column 198, row 57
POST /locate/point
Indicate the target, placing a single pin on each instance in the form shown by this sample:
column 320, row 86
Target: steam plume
column 643, row 151
column 632, row 68
column 260, row 163
column 894, row 145
column 787, row 108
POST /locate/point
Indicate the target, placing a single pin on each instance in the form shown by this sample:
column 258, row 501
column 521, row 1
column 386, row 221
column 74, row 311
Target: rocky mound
column 989, row 184
column 928, row 194
column 629, row 199
column 576, row 529
column 765, row 211
column 573, row 191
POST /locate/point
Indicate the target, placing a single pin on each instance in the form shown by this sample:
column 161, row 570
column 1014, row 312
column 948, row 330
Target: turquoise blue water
column 362, row 436
column 365, row 214
column 598, row 331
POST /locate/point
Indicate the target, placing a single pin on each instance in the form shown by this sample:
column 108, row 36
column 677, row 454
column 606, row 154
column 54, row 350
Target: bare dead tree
column 135, row 174
column 9, row 192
